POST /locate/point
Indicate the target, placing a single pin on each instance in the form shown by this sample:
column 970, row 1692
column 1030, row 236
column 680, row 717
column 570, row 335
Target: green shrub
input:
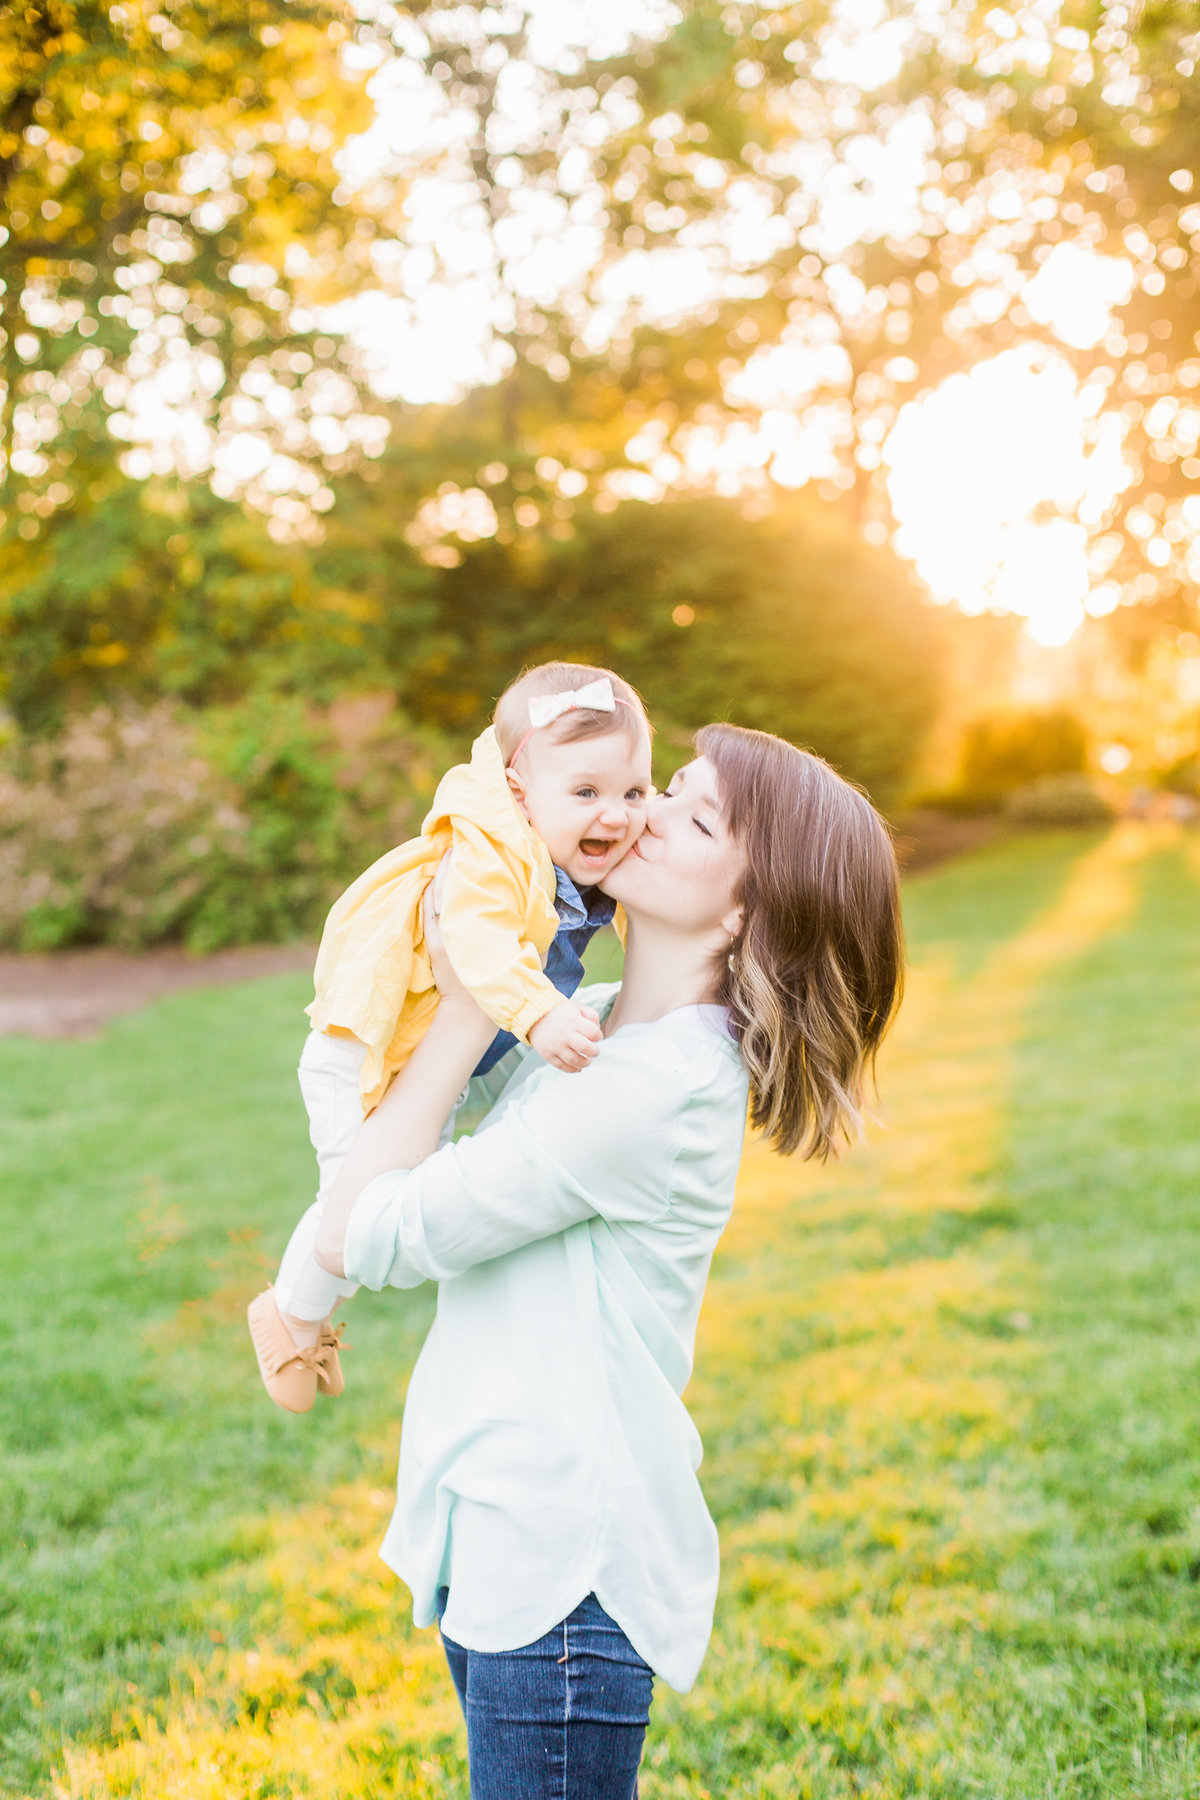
column 789, row 624
column 105, row 832
column 957, row 802
column 1183, row 777
column 282, row 870
column 1058, row 800
column 1010, row 750
column 163, row 591
column 319, row 801
column 134, row 828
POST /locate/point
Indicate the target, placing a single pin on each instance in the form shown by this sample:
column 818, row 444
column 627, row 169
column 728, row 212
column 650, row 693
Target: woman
column 549, row 1513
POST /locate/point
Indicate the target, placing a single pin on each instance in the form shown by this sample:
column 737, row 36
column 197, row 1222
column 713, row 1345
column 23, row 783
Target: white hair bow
column 597, row 696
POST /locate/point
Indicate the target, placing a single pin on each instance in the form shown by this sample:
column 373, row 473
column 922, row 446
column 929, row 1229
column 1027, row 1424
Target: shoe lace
column 323, row 1352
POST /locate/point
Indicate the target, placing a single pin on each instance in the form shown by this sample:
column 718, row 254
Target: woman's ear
column 733, row 921
column 517, row 789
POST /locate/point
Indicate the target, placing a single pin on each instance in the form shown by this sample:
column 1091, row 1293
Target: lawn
column 948, row 1391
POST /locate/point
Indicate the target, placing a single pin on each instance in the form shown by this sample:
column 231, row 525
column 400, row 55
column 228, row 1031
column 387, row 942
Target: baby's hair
column 511, row 717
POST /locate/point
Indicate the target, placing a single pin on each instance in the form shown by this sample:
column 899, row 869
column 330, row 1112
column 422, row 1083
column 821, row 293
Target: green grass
column 948, row 1392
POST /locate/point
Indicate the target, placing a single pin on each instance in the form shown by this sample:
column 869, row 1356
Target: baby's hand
column 568, row 1037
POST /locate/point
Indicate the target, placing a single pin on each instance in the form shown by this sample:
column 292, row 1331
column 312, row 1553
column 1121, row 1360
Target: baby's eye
column 585, row 793
column 636, row 795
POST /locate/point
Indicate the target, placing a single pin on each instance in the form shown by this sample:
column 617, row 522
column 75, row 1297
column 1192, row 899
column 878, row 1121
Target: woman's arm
column 601, row 1142
column 571, row 1148
column 405, row 1127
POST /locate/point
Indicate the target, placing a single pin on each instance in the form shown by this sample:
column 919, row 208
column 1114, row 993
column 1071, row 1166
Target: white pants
column 329, row 1068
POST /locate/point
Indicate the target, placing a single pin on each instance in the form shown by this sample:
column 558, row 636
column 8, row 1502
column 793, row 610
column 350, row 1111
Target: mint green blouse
column 546, row 1452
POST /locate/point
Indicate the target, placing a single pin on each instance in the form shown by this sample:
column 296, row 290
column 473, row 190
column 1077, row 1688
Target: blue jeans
column 561, row 1719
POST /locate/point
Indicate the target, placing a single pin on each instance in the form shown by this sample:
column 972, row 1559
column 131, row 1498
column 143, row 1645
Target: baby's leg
column 305, row 1292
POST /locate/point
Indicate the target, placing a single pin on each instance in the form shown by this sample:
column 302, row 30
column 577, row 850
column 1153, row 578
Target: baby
column 554, row 795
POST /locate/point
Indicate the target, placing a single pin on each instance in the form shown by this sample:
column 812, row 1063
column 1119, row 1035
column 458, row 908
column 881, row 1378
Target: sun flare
column 974, row 467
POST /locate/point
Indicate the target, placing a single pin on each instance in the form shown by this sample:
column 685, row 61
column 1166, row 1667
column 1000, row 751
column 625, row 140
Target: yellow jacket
column 373, row 976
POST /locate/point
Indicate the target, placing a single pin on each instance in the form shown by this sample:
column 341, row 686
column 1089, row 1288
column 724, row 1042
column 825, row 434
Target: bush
column 321, row 796
column 163, row 591
column 1183, row 776
column 1014, row 750
column 789, row 624
column 105, row 831
column 957, row 802
column 135, row 828
column 1058, row 800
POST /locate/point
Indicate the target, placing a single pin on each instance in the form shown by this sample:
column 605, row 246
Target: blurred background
column 830, row 368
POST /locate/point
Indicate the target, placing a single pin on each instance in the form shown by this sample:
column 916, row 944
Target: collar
column 479, row 792
column 575, row 907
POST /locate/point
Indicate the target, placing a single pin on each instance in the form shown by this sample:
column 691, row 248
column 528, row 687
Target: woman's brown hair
column 814, row 977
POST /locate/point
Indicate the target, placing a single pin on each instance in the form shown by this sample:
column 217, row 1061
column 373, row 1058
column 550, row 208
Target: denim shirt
column 581, row 915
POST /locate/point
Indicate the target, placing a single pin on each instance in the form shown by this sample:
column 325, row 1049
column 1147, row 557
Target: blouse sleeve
column 599, row 1143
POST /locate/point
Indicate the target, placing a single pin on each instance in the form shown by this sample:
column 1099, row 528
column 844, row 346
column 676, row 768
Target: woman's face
column 685, row 868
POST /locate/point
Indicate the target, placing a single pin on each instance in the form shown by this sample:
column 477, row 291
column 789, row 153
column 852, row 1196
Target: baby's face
column 586, row 800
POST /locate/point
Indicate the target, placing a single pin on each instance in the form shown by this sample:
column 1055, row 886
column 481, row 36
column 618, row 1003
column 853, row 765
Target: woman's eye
column 702, row 826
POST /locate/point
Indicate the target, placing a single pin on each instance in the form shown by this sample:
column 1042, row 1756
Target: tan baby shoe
column 290, row 1374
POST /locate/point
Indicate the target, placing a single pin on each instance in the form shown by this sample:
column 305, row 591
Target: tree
column 787, row 623
column 165, row 590
column 875, row 201
column 1094, row 120
column 848, row 216
column 173, row 215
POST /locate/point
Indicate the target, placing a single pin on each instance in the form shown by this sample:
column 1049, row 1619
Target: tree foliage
column 660, row 236
column 788, row 623
column 171, row 214
column 166, row 590
column 752, row 152
column 877, row 199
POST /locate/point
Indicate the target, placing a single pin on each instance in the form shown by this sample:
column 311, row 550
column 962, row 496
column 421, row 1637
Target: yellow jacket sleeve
column 488, row 936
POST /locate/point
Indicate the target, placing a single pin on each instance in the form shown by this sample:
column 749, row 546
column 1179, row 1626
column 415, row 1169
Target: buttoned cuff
column 370, row 1249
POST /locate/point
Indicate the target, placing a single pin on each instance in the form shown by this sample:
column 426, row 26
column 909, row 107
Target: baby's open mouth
column 597, row 849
